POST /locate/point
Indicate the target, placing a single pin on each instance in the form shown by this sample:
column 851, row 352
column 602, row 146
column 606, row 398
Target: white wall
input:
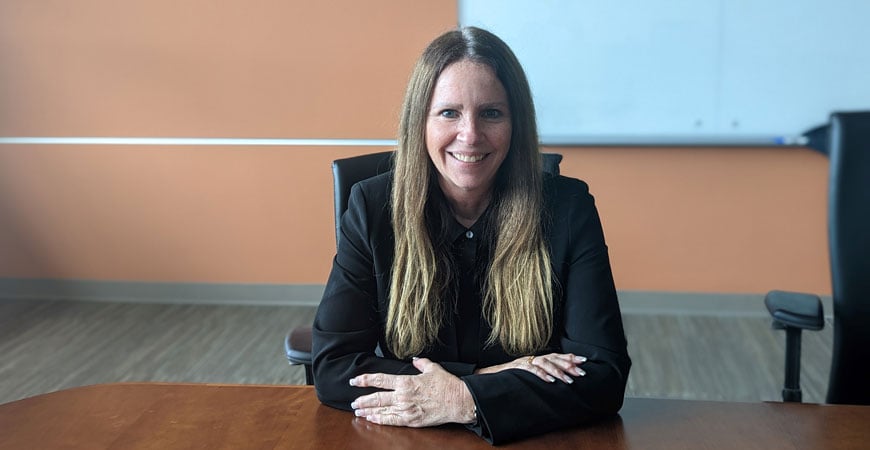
column 684, row 71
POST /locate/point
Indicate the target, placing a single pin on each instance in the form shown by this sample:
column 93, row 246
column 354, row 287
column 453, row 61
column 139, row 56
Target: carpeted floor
column 51, row 345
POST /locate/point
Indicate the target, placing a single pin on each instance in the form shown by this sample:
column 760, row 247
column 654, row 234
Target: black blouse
column 349, row 331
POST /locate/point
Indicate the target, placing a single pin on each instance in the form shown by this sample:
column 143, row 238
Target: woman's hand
column 431, row 398
column 561, row 366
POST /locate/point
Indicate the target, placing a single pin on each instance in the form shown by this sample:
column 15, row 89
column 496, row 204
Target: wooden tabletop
column 207, row 416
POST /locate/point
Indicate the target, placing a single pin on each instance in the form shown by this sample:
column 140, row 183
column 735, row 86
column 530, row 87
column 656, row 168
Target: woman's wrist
column 469, row 416
column 467, row 407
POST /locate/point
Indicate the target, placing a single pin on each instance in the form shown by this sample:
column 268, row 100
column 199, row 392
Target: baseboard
column 631, row 302
column 154, row 292
column 700, row 303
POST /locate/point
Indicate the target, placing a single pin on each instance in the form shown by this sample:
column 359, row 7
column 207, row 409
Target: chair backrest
column 348, row 171
column 849, row 241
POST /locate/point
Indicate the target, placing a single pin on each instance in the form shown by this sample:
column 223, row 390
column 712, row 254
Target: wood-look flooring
column 51, row 345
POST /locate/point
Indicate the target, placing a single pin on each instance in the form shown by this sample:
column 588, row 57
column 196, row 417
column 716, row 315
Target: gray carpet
column 51, row 345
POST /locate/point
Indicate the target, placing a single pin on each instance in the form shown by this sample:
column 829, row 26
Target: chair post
column 309, row 375
column 791, row 391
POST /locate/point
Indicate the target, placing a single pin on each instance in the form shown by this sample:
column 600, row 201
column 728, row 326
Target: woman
column 470, row 287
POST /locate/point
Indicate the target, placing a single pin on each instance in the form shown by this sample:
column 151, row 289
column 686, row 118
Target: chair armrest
column 297, row 345
column 795, row 309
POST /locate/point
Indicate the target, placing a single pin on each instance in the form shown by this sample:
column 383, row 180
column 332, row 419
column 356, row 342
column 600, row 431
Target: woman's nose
column 469, row 130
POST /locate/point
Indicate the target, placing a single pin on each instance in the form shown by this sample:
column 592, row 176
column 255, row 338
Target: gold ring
column 531, row 358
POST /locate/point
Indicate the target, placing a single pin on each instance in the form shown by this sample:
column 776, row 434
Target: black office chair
column 345, row 173
column 849, row 246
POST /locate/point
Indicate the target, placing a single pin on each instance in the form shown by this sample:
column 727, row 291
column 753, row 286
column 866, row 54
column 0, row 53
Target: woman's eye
column 449, row 114
column 491, row 114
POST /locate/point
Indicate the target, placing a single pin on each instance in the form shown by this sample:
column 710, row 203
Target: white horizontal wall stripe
column 676, row 141
column 600, row 140
column 198, row 141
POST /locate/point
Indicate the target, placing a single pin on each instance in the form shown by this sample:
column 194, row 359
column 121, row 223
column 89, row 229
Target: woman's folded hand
column 551, row 367
column 433, row 397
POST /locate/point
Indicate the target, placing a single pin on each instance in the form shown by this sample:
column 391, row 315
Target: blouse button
column 469, row 234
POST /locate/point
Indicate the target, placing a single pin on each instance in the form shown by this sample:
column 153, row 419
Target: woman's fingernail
column 569, row 380
column 354, row 405
column 352, row 381
column 415, row 358
column 358, row 413
column 582, row 372
column 580, row 359
column 550, row 378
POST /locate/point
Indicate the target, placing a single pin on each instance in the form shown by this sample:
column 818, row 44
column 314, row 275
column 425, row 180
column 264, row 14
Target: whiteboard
column 684, row 71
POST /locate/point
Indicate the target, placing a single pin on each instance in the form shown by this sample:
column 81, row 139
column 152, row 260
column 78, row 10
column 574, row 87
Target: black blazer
column 349, row 340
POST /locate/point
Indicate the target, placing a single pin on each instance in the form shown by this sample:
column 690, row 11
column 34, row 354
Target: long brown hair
column 518, row 299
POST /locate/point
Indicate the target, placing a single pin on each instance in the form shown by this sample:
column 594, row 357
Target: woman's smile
column 469, row 157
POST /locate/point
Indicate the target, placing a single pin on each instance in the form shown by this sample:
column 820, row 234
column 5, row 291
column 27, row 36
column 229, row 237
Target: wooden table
column 167, row 416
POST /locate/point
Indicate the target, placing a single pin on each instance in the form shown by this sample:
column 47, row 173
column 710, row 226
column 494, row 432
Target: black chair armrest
column 794, row 312
column 297, row 346
column 795, row 309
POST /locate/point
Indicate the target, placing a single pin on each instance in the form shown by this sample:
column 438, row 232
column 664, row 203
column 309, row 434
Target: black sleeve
column 513, row 404
column 347, row 327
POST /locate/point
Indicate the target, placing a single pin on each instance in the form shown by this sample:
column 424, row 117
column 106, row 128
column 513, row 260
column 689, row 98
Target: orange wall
column 709, row 219
column 203, row 68
column 199, row 214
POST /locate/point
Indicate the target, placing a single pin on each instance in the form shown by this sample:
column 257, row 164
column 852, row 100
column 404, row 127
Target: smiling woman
column 469, row 287
column 468, row 133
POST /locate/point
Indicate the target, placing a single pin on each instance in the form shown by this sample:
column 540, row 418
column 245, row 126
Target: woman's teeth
column 468, row 158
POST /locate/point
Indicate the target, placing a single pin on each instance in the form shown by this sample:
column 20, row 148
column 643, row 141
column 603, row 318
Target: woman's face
column 468, row 128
